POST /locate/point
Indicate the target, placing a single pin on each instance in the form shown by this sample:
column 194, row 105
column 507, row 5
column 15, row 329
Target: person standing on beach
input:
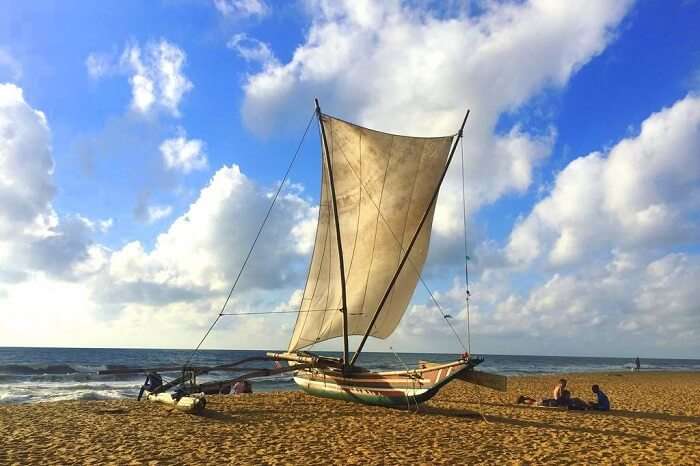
column 637, row 364
column 602, row 403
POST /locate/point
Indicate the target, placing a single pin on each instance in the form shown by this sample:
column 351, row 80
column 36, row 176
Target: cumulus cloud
column 32, row 236
column 26, row 170
column 398, row 67
column 357, row 56
column 630, row 301
column 666, row 302
column 241, row 8
column 600, row 251
column 644, row 192
column 203, row 249
column 185, row 155
column 156, row 74
column 186, row 273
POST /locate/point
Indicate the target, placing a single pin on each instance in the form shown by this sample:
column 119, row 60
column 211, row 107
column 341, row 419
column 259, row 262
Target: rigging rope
column 257, row 236
column 439, row 308
column 413, row 380
column 467, row 294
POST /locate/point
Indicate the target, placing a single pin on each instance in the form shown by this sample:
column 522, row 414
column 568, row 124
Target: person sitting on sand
column 561, row 394
column 603, row 403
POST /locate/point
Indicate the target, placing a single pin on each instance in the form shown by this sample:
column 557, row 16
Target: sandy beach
column 655, row 419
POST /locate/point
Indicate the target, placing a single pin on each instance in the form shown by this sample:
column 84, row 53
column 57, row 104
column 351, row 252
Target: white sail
column 384, row 183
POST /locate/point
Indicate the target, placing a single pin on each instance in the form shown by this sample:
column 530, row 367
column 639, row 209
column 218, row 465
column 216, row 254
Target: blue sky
column 582, row 156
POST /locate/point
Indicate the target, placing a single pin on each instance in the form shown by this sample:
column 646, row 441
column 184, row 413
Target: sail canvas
column 384, row 184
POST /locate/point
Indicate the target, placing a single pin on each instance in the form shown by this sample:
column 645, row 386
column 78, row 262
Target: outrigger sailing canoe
column 378, row 196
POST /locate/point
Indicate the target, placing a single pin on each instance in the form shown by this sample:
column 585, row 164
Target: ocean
column 30, row 375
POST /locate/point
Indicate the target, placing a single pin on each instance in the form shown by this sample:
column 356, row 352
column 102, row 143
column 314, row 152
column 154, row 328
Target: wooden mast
column 344, row 305
column 410, row 246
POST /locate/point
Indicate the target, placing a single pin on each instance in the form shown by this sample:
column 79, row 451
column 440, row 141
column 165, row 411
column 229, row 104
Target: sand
column 656, row 419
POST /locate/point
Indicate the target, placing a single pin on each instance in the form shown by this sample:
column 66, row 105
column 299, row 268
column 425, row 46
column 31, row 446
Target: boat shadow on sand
column 253, row 415
column 465, row 413
column 613, row 412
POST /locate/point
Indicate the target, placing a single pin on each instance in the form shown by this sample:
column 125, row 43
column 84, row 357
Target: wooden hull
column 401, row 389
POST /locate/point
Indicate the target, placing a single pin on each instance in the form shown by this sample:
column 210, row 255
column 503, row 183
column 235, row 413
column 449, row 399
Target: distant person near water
column 637, row 364
column 602, row 403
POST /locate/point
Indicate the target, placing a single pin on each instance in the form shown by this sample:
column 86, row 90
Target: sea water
column 52, row 374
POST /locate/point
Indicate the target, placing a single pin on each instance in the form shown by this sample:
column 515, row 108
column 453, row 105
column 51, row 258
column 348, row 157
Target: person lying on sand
column 602, row 403
column 525, row 400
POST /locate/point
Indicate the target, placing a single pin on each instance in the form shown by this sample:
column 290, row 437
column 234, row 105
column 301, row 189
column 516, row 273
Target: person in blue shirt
column 603, row 403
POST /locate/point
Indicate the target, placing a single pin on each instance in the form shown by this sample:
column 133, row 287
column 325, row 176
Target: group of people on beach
column 562, row 398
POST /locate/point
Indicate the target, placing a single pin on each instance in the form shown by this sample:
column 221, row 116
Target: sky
column 141, row 144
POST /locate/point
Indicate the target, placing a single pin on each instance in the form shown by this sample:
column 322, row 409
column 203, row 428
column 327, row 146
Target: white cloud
column 666, row 302
column 99, row 65
column 628, row 304
column 399, row 68
column 182, row 154
column 185, row 274
column 32, row 236
column 601, row 276
column 357, row 56
column 642, row 193
column 251, row 49
column 26, row 165
column 156, row 74
column 242, row 8
column 158, row 212
column 100, row 226
column 202, row 250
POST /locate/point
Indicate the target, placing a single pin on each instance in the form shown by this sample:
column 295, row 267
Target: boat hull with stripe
column 399, row 389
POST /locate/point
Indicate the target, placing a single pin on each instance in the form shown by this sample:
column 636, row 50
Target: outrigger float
column 378, row 196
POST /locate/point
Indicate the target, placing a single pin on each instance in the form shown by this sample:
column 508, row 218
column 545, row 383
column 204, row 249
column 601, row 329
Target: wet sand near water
column 655, row 419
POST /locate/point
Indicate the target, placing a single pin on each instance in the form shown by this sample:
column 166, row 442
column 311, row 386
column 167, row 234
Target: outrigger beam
column 485, row 379
column 199, row 370
column 410, row 246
